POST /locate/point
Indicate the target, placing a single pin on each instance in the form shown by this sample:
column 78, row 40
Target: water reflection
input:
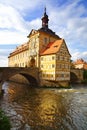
column 47, row 109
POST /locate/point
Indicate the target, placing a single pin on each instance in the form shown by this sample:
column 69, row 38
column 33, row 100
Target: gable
column 33, row 31
column 64, row 49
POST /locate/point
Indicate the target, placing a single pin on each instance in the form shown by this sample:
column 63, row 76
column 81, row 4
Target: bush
column 84, row 81
column 4, row 121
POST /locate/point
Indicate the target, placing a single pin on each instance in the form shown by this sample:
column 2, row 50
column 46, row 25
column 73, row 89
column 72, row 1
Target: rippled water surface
column 45, row 109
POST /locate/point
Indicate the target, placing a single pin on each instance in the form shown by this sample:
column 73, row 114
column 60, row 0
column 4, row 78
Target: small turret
column 45, row 19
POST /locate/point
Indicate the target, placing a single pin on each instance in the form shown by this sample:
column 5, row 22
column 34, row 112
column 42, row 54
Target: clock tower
column 45, row 20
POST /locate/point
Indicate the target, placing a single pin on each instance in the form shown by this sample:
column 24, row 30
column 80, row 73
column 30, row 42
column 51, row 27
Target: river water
column 45, row 108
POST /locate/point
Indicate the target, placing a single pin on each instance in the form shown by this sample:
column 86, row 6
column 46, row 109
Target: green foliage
column 85, row 74
column 84, row 81
column 4, row 121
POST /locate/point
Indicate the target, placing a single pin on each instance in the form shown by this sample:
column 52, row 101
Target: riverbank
column 4, row 120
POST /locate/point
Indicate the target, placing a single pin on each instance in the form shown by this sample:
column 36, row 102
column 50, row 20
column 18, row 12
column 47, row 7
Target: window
column 18, row 56
column 45, row 40
column 43, row 75
column 62, row 66
column 65, row 53
column 23, row 64
column 57, row 75
column 53, row 57
column 63, row 59
column 58, row 58
column 53, row 65
column 68, row 66
column 41, row 66
column 67, row 75
column 62, row 75
column 62, row 46
column 41, row 58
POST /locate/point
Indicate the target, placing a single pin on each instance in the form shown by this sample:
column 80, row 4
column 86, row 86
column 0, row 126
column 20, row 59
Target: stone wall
column 54, row 83
column 76, row 75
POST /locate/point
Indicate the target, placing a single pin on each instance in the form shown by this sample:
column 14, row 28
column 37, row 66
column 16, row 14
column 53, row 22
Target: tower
column 45, row 20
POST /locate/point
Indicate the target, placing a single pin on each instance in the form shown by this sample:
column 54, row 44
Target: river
column 45, row 108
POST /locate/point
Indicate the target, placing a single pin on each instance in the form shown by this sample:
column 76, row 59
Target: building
column 44, row 50
column 80, row 64
column 19, row 57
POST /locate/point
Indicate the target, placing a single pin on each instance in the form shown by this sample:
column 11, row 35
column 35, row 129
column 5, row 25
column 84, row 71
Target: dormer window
column 56, row 46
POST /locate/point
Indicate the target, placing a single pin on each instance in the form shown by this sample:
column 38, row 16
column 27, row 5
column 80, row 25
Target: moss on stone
column 4, row 121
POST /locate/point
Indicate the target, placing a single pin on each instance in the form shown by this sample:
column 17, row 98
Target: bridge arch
column 73, row 77
column 31, row 74
column 76, row 75
column 31, row 80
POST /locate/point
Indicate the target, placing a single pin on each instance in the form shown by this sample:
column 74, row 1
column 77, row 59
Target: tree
column 85, row 74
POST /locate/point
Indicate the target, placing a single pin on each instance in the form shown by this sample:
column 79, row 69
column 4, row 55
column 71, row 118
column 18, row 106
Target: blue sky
column 68, row 18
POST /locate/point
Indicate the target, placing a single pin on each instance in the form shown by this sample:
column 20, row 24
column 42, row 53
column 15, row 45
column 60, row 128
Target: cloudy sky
column 68, row 18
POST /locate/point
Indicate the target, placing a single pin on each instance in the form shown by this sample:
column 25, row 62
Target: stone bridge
column 30, row 73
column 76, row 75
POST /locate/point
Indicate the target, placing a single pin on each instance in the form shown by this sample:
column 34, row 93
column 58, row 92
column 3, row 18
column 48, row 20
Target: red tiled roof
column 79, row 61
column 52, row 47
column 85, row 66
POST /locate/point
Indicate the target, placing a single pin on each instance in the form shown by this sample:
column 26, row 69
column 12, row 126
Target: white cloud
column 69, row 23
column 34, row 24
column 79, row 55
column 10, row 18
column 13, row 28
column 9, row 37
column 67, row 20
column 3, row 61
column 4, row 53
column 24, row 5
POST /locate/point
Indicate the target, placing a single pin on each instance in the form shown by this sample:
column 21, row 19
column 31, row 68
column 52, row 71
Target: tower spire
column 45, row 19
column 45, row 10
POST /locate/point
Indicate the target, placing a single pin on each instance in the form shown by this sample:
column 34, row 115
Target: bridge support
column 76, row 75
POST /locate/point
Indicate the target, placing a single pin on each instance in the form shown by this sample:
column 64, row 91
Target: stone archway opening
column 19, row 78
column 73, row 77
column 32, row 80
column 32, row 62
column 24, row 78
